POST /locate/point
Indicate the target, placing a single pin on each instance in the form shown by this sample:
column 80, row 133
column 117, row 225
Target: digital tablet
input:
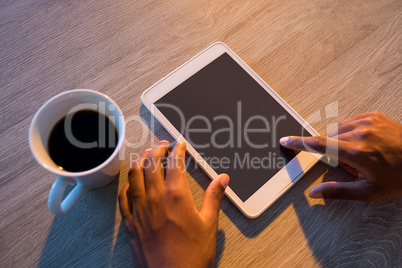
column 231, row 121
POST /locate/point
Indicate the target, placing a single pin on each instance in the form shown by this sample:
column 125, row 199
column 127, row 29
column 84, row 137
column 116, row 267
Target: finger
column 349, row 126
column 175, row 172
column 153, row 169
column 348, row 168
column 358, row 190
column 341, row 129
column 322, row 145
column 356, row 117
column 350, row 136
column 353, row 137
column 125, row 201
column 213, row 197
column 136, row 177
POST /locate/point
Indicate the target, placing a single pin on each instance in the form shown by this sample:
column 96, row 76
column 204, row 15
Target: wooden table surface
column 313, row 53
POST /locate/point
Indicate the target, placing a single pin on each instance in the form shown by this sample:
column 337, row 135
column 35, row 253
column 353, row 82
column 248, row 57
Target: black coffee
column 85, row 143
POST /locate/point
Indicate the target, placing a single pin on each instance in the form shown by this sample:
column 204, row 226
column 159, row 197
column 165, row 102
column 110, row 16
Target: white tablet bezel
column 282, row 180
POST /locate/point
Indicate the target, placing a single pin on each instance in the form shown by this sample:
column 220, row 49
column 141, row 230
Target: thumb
column 213, row 197
column 358, row 190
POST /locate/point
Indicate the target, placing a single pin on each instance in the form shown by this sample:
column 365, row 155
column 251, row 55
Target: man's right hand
column 368, row 145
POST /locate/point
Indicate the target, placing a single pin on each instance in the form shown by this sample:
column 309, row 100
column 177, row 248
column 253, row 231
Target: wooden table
column 313, row 53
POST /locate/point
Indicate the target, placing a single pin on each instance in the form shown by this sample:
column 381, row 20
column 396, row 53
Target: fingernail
column 163, row 141
column 224, row 180
column 314, row 194
column 182, row 143
column 284, row 140
column 146, row 151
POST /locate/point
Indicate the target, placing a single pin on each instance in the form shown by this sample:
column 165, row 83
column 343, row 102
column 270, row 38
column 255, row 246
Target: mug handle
column 56, row 203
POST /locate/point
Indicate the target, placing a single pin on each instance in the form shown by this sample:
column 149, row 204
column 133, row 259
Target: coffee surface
column 82, row 140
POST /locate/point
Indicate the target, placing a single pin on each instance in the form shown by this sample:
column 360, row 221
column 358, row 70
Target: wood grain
column 313, row 53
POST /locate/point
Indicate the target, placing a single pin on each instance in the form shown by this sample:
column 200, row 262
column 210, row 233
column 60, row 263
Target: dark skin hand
column 164, row 227
column 166, row 230
column 368, row 145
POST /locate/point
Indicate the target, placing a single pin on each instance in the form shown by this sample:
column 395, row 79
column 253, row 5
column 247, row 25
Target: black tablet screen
column 233, row 123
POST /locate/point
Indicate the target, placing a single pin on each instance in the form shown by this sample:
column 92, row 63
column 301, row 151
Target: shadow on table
column 122, row 256
column 323, row 225
column 84, row 235
column 327, row 226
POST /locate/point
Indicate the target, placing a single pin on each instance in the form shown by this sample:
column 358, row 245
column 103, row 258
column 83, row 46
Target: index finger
column 330, row 147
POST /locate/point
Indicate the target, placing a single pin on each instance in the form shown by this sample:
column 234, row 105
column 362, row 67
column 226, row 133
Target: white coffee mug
column 42, row 124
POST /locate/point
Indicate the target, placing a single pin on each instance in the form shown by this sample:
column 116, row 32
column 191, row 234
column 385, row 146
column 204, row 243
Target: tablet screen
column 233, row 122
